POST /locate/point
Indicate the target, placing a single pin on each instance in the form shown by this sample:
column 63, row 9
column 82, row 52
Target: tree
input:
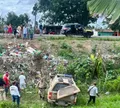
column 64, row 11
column 15, row 20
column 12, row 19
column 35, row 11
column 26, row 18
column 2, row 21
column 106, row 7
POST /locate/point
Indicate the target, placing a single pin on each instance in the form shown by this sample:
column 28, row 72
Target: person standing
column 15, row 93
column 40, row 27
column 10, row 29
column 7, row 82
column 41, row 85
column 93, row 91
column 22, row 80
column 31, row 32
column 19, row 31
column 15, row 32
column 25, row 32
column 2, row 90
column 5, row 30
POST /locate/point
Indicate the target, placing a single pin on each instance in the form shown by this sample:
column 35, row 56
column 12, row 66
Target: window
column 59, row 86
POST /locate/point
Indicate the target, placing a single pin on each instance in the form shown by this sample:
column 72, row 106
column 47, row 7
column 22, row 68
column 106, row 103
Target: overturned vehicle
column 63, row 90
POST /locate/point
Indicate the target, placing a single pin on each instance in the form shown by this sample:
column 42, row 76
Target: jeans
column 31, row 36
column 16, row 98
column 6, row 91
column 24, row 36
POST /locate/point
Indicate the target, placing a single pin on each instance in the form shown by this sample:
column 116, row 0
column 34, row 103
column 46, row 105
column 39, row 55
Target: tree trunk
column 35, row 24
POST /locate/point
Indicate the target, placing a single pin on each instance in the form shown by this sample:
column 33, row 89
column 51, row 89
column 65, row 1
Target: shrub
column 9, row 105
column 39, row 39
column 1, row 48
column 66, row 46
column 113, row 85
column 65, row 54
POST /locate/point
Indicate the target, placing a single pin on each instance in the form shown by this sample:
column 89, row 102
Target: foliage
column 106, row 7
column 1, row 48
column 113, row 85
column 116, row 25
column 66, row 51
column 67, row 54
column 35, row 11
column 2, row 21
column 39, row 39
column 104, row 101
column 9, row 105
column 64, row 11
column 15, row 20
column 64, row 45
column 87, row 68
column 61, row 69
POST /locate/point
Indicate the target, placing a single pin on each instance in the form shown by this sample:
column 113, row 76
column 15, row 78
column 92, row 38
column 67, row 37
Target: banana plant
column 109, row 8
column 97, row 65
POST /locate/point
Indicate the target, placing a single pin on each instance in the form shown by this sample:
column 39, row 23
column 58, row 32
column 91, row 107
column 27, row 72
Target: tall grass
column 31, row 100
column 104, row 101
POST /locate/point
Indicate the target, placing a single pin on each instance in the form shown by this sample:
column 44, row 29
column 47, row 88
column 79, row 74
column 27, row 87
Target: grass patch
column 110, row 101
column 39, row 39
column 31, row 100
column 65, row 38
column 106, row 39
column 65, row 54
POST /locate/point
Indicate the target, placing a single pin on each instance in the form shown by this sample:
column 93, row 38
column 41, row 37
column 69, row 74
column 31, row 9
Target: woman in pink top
column 10, row 29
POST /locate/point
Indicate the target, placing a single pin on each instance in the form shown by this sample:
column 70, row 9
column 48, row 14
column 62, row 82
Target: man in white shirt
column 22, row 80
column 93, row 91
column 15, row 93
column 25, row 32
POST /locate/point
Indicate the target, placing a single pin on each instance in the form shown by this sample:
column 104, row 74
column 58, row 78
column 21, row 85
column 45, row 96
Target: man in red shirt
column 7, row 82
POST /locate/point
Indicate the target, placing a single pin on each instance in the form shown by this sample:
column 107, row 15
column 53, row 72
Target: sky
column 25, row 6
column 17, row 6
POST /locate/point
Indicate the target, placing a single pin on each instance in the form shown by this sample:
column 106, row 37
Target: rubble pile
column 18, row 58
column 24, row 58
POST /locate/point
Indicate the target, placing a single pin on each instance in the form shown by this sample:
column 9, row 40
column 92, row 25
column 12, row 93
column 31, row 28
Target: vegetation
column 64, row 11
column 94, row 59
column 33, row 101
column 35, row 11
column 105, row 7
column 15, row 20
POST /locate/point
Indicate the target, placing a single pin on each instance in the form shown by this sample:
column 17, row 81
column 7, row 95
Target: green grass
column 104, row 101
column 106, row 39
column 55, row 38
column 30, row 99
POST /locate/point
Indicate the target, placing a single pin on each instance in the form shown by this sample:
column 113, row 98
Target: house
column 106, row 32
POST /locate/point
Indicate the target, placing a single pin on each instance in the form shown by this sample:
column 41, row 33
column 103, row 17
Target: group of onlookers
column 15, row 87
column 23, row 31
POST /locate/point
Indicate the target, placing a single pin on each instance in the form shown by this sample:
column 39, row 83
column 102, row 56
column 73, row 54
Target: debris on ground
column 29, row 59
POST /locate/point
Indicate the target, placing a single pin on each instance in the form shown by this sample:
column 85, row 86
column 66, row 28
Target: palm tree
column 110, row 8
